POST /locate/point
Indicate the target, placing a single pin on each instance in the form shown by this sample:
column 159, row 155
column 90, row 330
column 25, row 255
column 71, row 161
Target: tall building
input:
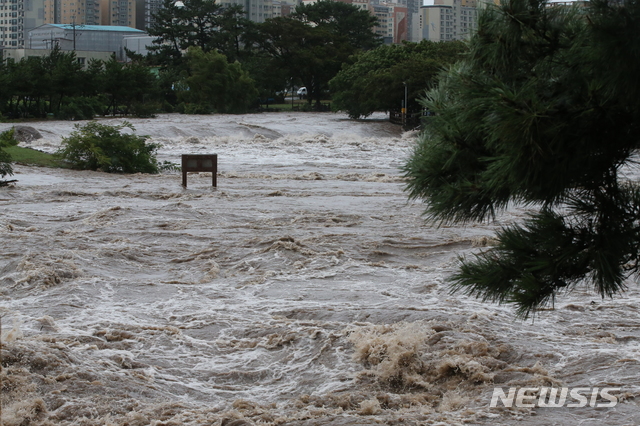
column 92, row 12
column 397, row 20
column 447, row 20
column 413, row 20
column 118, row 13
column 145, row 10
column 392, row 22
column 17, row 17
column 79, row 12
column 256, row 10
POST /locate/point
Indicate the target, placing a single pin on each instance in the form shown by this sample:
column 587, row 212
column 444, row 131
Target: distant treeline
column 57, row 85
column 210, row 58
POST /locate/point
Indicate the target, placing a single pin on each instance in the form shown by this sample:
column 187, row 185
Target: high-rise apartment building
column 447, row 20
column 17, row 17
column 79, row 12
column 394, row 18
column 413, row 20
column 255, row 10
column 392, row 22
column 145, row 10
column 118, row 12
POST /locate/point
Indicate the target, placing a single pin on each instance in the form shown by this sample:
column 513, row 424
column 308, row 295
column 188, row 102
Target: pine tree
column 544, row 112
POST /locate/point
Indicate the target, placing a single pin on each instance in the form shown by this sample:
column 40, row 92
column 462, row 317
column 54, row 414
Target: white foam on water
column 304, row 290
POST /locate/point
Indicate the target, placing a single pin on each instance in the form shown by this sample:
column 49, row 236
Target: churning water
column 304, row 290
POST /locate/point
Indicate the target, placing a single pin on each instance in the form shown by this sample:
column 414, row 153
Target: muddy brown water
column 304, row 290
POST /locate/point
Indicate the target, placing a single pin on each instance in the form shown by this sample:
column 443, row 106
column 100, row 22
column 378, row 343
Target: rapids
column 304, row 290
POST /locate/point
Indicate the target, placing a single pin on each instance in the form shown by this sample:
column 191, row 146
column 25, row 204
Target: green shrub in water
column 6, row 140
column 99, row 146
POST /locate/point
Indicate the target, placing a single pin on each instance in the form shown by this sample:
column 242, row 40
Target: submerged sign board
column 200, row 163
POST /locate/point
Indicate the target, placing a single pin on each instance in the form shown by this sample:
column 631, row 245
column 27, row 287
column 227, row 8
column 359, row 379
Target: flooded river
column 304, row 290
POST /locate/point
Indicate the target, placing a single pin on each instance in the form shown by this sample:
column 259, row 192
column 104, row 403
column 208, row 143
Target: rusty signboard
column 200, row 163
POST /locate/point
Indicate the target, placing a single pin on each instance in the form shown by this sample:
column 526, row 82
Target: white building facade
column 91, row 38
column 448, row 20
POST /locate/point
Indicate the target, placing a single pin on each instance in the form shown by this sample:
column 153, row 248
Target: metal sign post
column 200, row 163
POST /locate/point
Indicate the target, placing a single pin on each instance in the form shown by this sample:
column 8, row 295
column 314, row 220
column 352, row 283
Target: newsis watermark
column 543, row 396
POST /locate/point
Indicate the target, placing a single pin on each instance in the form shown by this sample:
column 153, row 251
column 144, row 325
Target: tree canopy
column 312, row 44
column 192, row 23
column 198, row 23
column 213, row 84
column 101, row 146
column 343, row 20
column 307, row 48
column 375, row 80
column 58, row 84
column 543, row 113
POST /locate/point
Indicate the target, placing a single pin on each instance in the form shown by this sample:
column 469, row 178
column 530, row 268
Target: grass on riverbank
column 32, row 157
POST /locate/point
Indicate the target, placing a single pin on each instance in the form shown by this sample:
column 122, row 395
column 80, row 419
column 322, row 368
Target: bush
column 99, row 146
column 190, row 108
column 6, row 140
column 81, row 108
column 167, row 107
column 145, row 110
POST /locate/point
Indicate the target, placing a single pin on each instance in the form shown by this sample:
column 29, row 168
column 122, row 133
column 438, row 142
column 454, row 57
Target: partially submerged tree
column 100, row 146
column 544, row 112
column 6, row 140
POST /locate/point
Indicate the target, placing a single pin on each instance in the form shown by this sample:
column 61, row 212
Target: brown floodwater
column 304, row 290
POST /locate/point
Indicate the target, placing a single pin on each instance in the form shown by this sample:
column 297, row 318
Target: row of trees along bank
column 209, row 58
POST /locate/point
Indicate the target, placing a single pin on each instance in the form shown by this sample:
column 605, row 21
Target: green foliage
column 5, row 166
column 34, row 157
column 57, row 84
column 81, row 108
column 215, row 85
column 197, row 109
column 234, row 32
column 352, row 24
column 145, row 109
column 375, row 79
column 198, row 23
column 542, row 113
column 310, row 46
column 126, row 84
column 6, row 140
column 63, row 71
column 168, row 166
column 99, row 146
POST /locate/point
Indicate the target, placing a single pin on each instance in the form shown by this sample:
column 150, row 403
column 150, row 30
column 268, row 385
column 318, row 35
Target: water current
column 304, row 290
